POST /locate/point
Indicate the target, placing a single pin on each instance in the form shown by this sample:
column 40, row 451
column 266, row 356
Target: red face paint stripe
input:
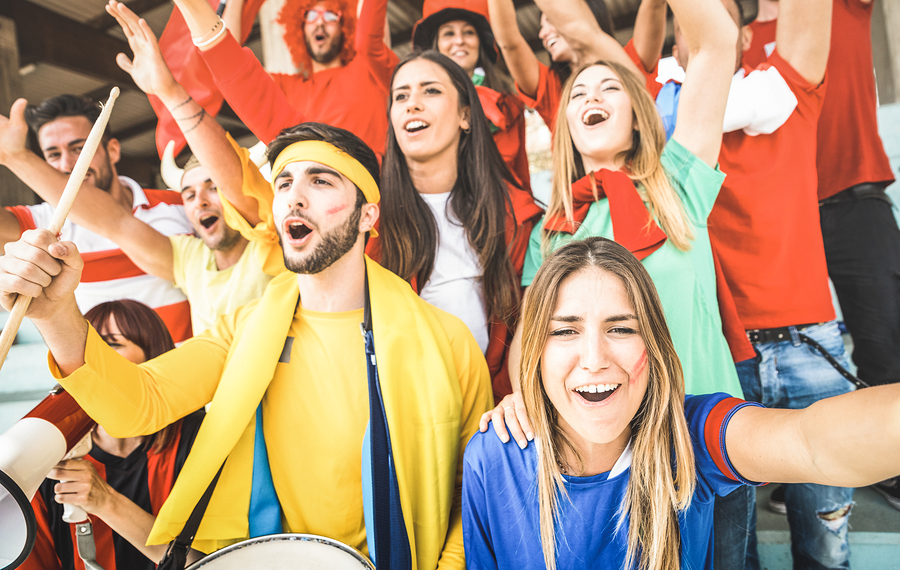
column 638, row 367
column 335, row 210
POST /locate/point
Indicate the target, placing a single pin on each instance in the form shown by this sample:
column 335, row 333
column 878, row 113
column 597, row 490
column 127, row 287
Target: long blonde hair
column 642, row 160
column 659, row 433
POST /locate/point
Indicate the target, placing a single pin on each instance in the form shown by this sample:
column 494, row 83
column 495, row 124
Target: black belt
column 862, row 191
column 784, row 333
column 769, row 335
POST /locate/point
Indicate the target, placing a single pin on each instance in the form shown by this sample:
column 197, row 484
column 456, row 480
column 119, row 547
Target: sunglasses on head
column 329, row 16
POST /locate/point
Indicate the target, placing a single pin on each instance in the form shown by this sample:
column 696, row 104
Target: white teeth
column 590, row 113
column 597, row 388
column 551, row 42
column 412, row 125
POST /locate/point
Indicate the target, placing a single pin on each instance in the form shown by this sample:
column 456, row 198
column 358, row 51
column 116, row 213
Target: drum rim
column 362, row 558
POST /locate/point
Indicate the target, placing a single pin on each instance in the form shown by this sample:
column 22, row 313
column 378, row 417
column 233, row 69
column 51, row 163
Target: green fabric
column 686, row 280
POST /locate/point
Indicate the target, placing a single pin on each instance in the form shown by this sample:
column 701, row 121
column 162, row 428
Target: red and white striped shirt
column 108, row 273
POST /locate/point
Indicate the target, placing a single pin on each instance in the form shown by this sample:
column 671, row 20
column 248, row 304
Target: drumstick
column 76, row 179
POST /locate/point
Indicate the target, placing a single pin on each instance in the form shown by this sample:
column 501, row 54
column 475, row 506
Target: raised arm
column 575, row 21
column 203, row 134
column 803, row 36
column 711, row 37
column 849, row 440
column 94, row 208
column 373, row 32
column 239, row 75
column 650, row 31
column 522, row 63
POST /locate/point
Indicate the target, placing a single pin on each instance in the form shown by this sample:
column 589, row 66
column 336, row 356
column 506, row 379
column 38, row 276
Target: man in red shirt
column 345, row 68
column 765, row 227
column 862, row 241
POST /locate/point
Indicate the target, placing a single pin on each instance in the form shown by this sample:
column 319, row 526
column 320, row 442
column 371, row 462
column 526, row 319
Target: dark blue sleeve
column 708, row 418
column 476, row 531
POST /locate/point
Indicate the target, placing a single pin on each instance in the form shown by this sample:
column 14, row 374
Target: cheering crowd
column 388, row 341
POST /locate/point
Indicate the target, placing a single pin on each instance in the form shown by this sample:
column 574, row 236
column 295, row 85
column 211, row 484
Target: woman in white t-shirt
column 453, row 222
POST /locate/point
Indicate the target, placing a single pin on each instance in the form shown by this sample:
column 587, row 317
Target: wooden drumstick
column 76, row 179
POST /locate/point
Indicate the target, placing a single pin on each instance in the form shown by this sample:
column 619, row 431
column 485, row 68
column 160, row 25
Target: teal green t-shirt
column 685, row 280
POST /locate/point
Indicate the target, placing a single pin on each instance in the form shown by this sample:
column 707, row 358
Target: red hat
column 436, row 13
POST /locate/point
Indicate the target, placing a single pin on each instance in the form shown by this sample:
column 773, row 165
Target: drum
column 286, row 552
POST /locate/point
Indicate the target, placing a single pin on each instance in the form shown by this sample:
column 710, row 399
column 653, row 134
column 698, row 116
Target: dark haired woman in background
column 122, row 482
column 539, row 85
column 452, row 221
column 460, row 30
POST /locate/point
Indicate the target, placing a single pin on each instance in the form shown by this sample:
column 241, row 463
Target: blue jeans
column 735, row 530
column 790, row 374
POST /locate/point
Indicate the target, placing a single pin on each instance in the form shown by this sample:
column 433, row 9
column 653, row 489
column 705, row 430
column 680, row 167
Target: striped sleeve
column 708, row 418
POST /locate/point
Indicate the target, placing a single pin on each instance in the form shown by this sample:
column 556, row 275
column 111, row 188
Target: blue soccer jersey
column 500, row 505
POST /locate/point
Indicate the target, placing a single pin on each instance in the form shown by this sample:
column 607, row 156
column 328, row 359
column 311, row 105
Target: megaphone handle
column 87, row 550
column 73, row 514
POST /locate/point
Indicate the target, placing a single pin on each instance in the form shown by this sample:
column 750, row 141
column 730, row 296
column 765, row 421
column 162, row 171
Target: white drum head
column 286, row 552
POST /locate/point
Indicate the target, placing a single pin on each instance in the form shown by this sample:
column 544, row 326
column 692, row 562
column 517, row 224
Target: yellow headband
column 329, row 155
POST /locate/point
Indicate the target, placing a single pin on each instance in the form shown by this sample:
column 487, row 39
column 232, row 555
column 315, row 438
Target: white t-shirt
column 456, row 283
column 108, row 273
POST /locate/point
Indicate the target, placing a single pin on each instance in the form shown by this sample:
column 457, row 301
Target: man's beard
column 103, row 177
column 334, row 245
column 226, row 240
column 337, row 44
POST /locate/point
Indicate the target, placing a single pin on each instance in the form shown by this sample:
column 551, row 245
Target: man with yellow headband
column 290, row 379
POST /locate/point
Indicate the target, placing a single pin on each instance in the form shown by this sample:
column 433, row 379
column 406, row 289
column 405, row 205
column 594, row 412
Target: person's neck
column 120, row 447
column 318, row 66
column 614, row 163
column 435, row 176
column 768, row 11
column 122, row 193
column 228, row 257
column 596, row 458
column 337, row 288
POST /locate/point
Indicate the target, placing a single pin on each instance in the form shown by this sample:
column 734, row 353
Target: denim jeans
column 790, row 374
column 735, row 530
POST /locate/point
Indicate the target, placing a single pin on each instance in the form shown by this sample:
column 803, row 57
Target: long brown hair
column 479, row 198
column 141, row 325
column 659, row 433
column 642, row 160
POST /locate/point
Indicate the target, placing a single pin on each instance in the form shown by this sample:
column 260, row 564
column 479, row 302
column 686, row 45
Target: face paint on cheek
column 639, row 367
column 335, row 210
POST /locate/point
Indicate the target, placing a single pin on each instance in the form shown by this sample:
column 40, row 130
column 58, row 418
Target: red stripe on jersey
column 177, row 317
column 715, row 436
column 156, row 197
column 23, row 215
column 161, row 472
column 107, row 265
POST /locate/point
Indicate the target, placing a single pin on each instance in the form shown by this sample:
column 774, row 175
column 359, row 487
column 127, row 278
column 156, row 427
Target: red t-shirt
column 850, row 151
column 763, row 35
column 507, row 113
column 353, row 97
column 765, row 224
column 546, row 100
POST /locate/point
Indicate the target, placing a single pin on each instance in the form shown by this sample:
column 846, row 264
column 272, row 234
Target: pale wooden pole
column 76, row 179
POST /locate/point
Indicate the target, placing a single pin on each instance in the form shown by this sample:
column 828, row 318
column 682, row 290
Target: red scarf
column 632, row 225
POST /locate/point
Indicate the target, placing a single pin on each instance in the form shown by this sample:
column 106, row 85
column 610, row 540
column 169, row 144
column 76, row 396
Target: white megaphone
column 28, row 451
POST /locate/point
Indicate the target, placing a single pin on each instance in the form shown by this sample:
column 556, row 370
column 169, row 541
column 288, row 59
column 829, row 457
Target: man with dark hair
column 294, row 364
column 62, row 125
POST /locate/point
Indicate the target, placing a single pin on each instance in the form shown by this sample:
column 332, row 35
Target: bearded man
column 331, row 440
column 345, row 68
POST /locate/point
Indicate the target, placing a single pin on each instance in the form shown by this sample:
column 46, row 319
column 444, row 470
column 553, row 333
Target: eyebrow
column 601, row 82
column 70, row 143
column 577, row 319
column 313, row 170
column 422, row 84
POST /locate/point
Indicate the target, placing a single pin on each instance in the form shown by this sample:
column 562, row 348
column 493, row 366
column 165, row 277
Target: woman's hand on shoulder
column 509, row 415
